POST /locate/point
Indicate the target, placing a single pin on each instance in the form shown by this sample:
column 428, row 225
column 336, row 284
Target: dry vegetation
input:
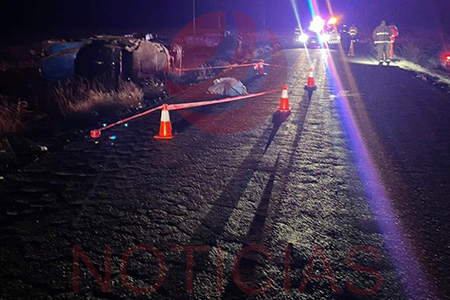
column 85, row 97
column 12, row 116
column 18, row 65
column 427, row 52
column 425, row 57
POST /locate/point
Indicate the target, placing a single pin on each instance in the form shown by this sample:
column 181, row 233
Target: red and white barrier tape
column 226, row 67
column 183, row 106
column 211, row 102
column 277, row 66
column 130, row 118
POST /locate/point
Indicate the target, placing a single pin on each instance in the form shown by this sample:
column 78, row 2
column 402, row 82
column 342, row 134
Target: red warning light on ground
column 95, row 134
column 447, row 57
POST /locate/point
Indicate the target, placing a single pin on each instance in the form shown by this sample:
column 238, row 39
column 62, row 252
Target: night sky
column 102, row 15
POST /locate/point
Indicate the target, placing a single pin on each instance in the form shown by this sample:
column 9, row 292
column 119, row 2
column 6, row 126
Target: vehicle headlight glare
column 303, row 38
column 325, row 38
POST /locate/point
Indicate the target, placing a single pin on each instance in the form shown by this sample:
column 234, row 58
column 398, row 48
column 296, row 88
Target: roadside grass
column 12, row 116
column 424, row 56
column 17, row 65
column 84, row 96
column 424, row 47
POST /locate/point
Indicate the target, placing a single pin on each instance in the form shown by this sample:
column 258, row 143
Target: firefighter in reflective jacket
column 394, row 30
column 382, row 38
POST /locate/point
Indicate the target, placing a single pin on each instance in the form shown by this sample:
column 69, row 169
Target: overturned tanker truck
column 121, row 57
column 106, row 57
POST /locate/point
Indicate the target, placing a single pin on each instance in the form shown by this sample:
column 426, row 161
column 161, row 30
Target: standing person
column 395, row 33
column 382, row 38
column 344, row 36
column 352, row 32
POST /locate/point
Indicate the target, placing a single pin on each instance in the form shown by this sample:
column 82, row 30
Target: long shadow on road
column 223, row 207
column 277, row 119
column 256, row 232
column 300, row 121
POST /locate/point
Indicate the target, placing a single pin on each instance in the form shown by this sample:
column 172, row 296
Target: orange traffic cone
column 310, row 83
column 259, row 67
column 165, row 129
column 284, row 102
column 351, row 51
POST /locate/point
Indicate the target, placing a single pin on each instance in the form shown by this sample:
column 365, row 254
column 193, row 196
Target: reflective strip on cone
column 310, row 85
column 165, row 117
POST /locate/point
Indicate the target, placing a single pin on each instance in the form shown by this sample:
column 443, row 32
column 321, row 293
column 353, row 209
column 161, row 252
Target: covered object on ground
column 228, row 86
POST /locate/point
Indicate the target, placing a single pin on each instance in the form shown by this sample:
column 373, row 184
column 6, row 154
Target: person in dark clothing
column 381, row 36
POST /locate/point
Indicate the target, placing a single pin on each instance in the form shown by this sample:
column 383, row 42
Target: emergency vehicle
column 320, row 33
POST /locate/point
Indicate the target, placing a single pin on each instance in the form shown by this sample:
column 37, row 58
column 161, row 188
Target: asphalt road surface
column 346, row 197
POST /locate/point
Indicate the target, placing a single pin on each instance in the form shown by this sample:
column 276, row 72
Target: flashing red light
column 95, row 134
column 447, row 57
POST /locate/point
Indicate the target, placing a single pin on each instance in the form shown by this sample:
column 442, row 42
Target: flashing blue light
column 126, row 124
column 113, row 137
